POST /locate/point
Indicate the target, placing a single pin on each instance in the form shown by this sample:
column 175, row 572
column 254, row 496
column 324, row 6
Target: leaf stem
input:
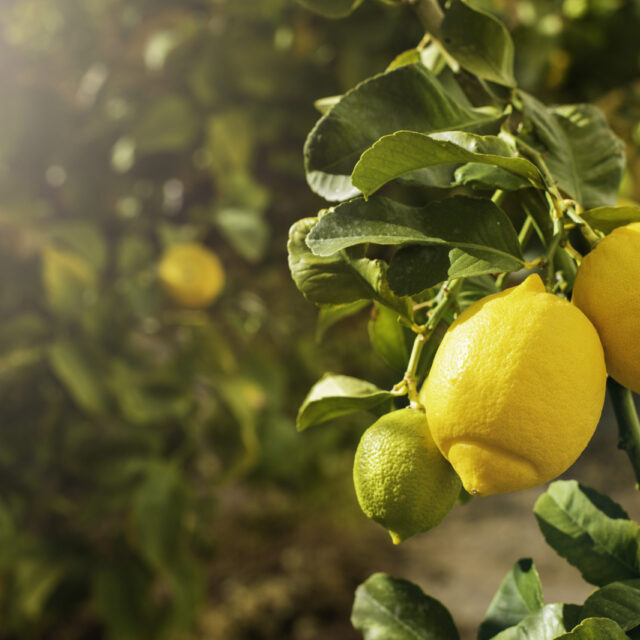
column 628, row 424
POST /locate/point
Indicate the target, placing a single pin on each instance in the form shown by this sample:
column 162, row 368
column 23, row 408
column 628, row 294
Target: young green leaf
column 395, row 609
column 583, row 155
column 389, row 339
column 546, row 623
column 595, row 629
column 590, row 531
column 479, row 42
column 405, row 151
column 478, row 228
column 606, row 219
column 619, row 601
column 338, row 279
column 331, row 8
column 334, row 396
column 408, row 97
column 519, row 595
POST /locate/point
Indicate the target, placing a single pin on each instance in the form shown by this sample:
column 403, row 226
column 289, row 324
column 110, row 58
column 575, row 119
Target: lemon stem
column 628, row 424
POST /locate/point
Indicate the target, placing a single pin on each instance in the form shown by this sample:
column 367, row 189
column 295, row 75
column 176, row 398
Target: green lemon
column 401, row 479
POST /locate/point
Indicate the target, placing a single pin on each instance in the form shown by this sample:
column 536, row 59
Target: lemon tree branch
column 628, row 424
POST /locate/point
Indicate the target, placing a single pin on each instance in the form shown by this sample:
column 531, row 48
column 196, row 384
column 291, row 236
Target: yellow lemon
column 192, row 275
column 607, row 290
column 516, row 389
column 401, row 479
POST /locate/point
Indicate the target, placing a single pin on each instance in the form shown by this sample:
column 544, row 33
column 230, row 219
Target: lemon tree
column 464, row 211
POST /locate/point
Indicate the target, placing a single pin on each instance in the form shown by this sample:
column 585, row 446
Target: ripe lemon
column 401, row 479
column 607, row 291
column 192, row 275
column 516, row 389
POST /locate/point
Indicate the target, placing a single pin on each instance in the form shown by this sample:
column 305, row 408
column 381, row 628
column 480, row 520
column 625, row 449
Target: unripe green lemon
column 401, row 479
column 516, row 389
column 607, row 290
column 191, row 274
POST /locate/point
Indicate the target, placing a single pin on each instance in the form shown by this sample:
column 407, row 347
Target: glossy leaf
column 409, row 98
column 606, row 219
column 331, row 8
column 416, row 268
column 488, row 178
column 619, row 601
column 590, row 531
column 477, row 228
column 405, row 151
column 479, row 42
column 595, row 629
column 396, row 609
column 546, row 623
column 519, row 595
column 337, row 279
column 583, row 155
column 334, row 396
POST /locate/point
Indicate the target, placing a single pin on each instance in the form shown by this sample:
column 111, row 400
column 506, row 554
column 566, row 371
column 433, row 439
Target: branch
column 628, row 424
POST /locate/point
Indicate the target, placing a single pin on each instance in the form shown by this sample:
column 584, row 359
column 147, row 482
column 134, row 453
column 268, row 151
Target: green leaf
column 331, row 315
column 409, row 98
column 389, row 339
column 619, row 601
column 416, row 268
column 519, row 595
column 405, row 151
column 546, row 623
column 169, row 125
column 485, row 177
column 338, row 279
column 478, row 228
column 583, row 155
column 331, row 8
column 479, row 42
column 158, row 512
column 75, row 372
column 395, row 609
column 246, row 231
column 606, row 219
column 595, row 629
column 590, row 531
column 335, row 396
column 474, row 289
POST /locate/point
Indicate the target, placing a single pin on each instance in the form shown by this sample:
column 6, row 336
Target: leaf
column 479, row 42
column 331, row 8
column 416, row 268
column 590, row 531
column 546, row 623
column 519, row 595
column 595, row 629
column 389, row 338
column 606, row 219
column 583, row 155
column 331, row 315
column 335, row 396
column 488, row 178
column 246, row 231
column 409, row 98
column 405, row 151
column 338, row 279
column 395, row 609
column 169, row 125
column 158, row 511
column 478, row 228
column 474, row 289
column 619, row 601
column 78, row 376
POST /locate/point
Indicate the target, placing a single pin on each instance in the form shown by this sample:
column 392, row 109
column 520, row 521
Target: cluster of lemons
column 514, row 394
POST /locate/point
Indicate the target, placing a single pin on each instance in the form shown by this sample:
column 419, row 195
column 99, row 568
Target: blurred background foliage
column 149, row 465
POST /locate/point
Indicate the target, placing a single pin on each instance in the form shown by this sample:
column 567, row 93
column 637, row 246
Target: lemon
column 516, row 389
column 607, row 291
column 192, row 275
column 401, row 479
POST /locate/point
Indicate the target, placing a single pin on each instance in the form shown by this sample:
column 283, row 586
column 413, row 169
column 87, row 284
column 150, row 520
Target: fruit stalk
column 628, row 424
